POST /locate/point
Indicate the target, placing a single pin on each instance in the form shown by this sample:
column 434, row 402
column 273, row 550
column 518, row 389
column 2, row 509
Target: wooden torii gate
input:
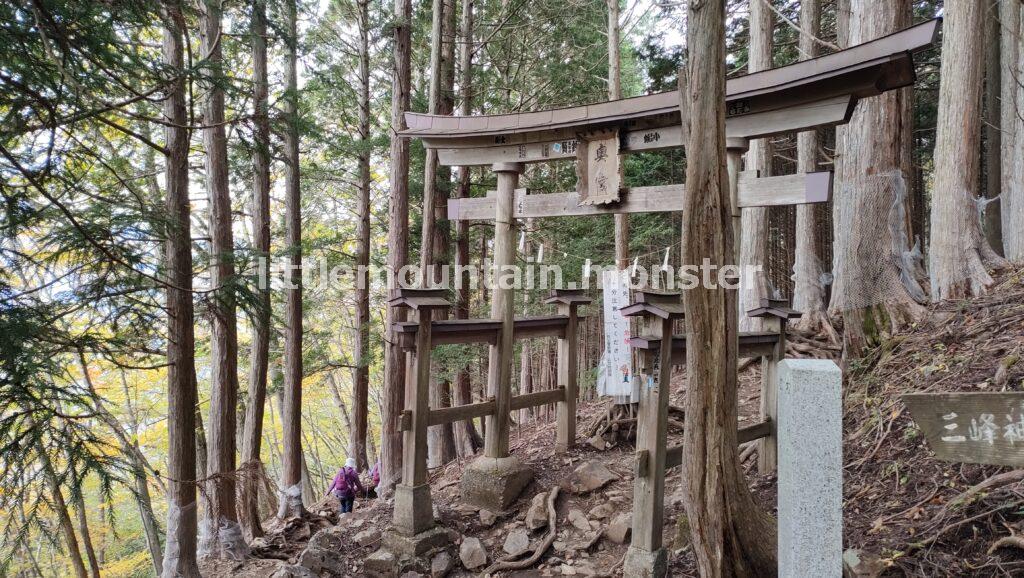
column 820, row 92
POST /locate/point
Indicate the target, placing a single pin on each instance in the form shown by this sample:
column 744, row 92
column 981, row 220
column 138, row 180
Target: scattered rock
column 579, row 520
column 537, row 516
column 602, row 511
column 861, row 564
column 517, row 542
column 441, row 565
column 590, row 476
column 487, row 518
column 618, row 531
column 367, row 537
column 472, row 553
column 291, row 571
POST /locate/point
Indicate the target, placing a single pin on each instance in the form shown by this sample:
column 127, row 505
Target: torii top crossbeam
column 815, row 92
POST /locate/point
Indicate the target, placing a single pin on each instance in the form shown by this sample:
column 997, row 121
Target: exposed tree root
column 1007, row 542
column 508, row 564
column 996, row 481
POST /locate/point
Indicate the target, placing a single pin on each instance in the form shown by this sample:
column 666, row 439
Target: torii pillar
column 494, row 480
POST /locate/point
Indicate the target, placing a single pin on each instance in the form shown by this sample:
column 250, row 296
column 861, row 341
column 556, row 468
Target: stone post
column 810, row 432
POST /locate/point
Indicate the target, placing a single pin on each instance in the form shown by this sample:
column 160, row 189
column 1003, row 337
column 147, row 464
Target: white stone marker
column 810, row 446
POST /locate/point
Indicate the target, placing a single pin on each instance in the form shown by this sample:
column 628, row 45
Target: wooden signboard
column 977, row 428
column 598, row 167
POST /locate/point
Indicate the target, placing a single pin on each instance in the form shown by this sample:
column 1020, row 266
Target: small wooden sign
column 598, row 167
column 977, row 428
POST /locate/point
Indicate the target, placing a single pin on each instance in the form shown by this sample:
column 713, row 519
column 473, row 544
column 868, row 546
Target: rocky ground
column 905, row 512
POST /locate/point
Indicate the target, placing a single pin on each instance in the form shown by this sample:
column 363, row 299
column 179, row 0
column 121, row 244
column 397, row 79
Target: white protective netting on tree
column 876, row 264
column 172, row 549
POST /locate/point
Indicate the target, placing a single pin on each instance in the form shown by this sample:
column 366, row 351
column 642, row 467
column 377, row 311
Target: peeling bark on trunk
column 252, row 429
column 180, row 555
column 959, row 253
column 731, row 534
column 361, row 373
column 398, row 249
column 291, row 410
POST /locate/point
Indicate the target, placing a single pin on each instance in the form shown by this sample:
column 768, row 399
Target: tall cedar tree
column 252, row 430
column 615, row 93
column 180, row 552
column 731, row 535
column 467, row 439
column 1011, row 57
column 398, row 248
column 808, row 286
column 361, row 373
column 960, row 253
column 291, row 410
column 871, row 292
column 754, row 220
column 436, row 186
column 224, row 347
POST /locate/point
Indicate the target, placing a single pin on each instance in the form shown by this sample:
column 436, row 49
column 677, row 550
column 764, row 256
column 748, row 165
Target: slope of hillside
column 905, row 512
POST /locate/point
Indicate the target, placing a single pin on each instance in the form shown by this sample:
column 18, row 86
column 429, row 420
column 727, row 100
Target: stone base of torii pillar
column 494, row 483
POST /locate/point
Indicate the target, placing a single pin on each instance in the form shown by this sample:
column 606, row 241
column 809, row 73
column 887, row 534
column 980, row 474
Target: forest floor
column 905, row 511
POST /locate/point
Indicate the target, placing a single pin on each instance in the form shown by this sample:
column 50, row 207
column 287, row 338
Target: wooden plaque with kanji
column 597, row 167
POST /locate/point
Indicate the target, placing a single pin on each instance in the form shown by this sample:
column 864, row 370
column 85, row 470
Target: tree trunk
column 252, row 430
column 959, row 251
column 526, row 384
column 180, row 553
column 731, row 535
column 808, row 286
column 1012, row 201
column 993, row 127
column 83, row 529
column 467, row 440
column 875, row 286
column 615, row 93
column 224, row 339
column 291, row 412
column 436, row 189
column 398, row 249
column 361, row 373
column 754, row 220
column 61, row 509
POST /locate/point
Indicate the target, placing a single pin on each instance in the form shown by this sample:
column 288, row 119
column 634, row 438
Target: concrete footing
column 643, row 564
column 414, row 510
column 399, row 553
column 494, row 483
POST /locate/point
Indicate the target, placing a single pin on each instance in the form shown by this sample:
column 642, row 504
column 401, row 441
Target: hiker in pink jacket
column 345, row 485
